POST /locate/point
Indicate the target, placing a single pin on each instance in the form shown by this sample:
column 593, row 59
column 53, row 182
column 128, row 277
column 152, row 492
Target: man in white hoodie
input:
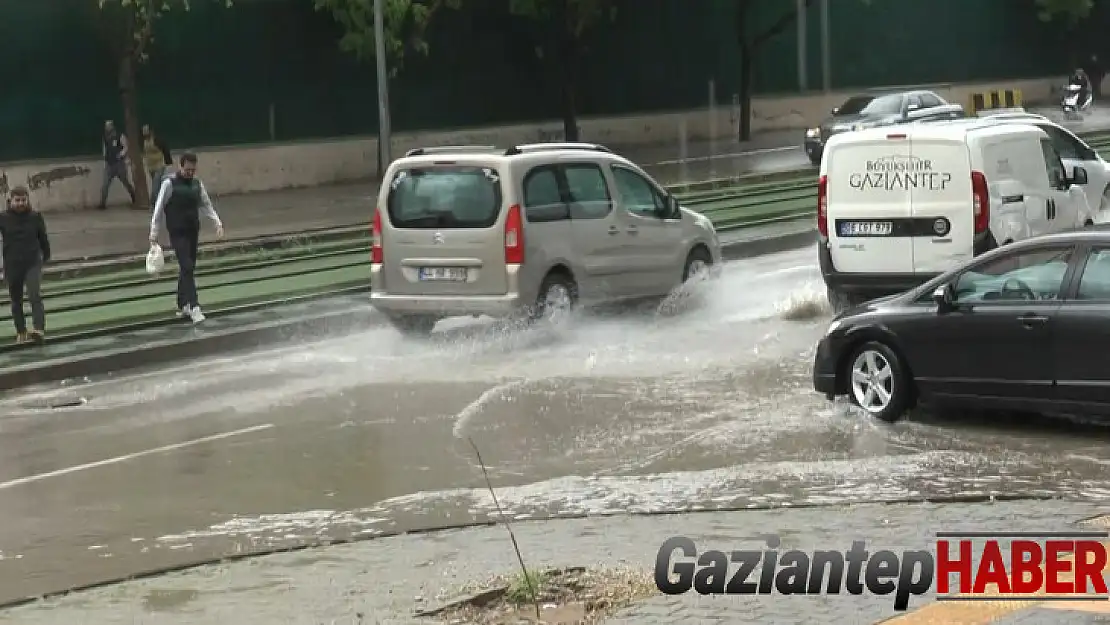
column 181, row 200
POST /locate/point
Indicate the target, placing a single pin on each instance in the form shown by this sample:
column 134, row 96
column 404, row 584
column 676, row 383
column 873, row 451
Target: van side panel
column 944, row 222
column 865, row 187
column 1017, row 179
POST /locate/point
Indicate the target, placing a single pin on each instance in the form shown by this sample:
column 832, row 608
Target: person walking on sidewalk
column 26, row 250
column 181, row 199
column 157, row 159
column 115, row 163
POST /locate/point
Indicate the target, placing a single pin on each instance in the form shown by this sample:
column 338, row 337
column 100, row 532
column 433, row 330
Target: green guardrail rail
column 241, row 278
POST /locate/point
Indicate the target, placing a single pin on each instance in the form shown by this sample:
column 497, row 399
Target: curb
column 195, row 343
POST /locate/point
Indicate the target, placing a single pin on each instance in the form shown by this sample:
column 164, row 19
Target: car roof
column 1097, row 234
column 956, row 130
column 528, row 152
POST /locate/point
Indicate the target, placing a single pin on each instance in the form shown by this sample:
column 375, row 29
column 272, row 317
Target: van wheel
column 698, row 265
column 415, row 326
column 840, row 301
column 556, row 300
column 877, row 382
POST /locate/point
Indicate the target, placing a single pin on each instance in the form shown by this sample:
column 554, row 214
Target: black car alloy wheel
column 877, row 382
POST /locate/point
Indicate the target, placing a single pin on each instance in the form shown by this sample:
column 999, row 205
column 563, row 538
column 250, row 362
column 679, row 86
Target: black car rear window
column 871, row 105
column 444, row 197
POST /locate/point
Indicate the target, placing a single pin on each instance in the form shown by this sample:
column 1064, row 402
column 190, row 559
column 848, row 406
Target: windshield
column 871, row 105
column 445, row 197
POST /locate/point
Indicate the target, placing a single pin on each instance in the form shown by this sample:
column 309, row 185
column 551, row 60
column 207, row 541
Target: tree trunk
column 129, row 95
column 567, row 60
column 745, row 130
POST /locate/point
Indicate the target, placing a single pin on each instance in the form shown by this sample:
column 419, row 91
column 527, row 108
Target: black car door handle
column 1051, row 209
column 1031, row 321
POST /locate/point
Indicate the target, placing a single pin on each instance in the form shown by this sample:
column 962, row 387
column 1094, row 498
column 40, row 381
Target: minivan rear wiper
column 439, row 219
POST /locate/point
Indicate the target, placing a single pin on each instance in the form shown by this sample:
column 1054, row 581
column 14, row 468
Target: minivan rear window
column 444, row 197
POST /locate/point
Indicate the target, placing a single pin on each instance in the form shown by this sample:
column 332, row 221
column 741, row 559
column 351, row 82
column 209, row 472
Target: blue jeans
column 156, row 176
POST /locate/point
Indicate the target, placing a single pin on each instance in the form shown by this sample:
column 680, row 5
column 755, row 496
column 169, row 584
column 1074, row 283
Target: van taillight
column 823, row 206
column 376, row 254
column 980, row 202
column 514, row 236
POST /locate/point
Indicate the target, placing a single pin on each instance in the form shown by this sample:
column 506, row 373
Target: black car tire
column 900, row 385
column 414, row 326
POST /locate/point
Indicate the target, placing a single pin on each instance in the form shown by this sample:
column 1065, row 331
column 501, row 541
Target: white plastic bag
column 155, row 259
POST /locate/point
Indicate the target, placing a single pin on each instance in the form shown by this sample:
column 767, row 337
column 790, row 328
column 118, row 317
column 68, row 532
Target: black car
column 870, row 110
column 1023, row 327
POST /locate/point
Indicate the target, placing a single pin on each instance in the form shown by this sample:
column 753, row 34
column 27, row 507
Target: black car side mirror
column 945, row 298
column 1078, row 176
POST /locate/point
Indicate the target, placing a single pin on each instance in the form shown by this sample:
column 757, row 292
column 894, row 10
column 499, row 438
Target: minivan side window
column 638, row 196
column 1065, row 144
column 588, row 191
column 1056, row 172
column 543, row 201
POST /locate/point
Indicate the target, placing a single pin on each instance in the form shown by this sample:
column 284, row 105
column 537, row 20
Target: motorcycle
column 1071, row 104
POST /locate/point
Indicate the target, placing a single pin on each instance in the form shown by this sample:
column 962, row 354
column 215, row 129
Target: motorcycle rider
column 1079, row 77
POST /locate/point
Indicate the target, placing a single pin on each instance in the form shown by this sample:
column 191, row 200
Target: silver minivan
column 534, row 230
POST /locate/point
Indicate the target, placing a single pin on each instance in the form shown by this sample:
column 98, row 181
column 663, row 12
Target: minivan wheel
column 840, row 301
column 698, row 266
column 556, row 300
column 416, row 326
column 877, row 382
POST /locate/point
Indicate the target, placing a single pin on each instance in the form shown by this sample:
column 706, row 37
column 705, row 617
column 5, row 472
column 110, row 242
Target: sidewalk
column 385, row 580
column 81, row 234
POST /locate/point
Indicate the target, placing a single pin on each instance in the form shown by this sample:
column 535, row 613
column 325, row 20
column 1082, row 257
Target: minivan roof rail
column 539, row 147
column 450, row 149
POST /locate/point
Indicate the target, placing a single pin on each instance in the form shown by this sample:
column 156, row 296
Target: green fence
column 271, row 70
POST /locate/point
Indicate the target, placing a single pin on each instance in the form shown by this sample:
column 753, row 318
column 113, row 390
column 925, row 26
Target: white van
column 898, row 206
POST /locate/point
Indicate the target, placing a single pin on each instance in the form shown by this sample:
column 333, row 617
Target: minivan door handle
column 1032, row 320
column 614, row 231
column 633, row 230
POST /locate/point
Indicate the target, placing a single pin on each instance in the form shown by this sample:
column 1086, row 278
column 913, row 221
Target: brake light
column 980, row 202
column 514, row 236
column 823, row 206
column 376, row 254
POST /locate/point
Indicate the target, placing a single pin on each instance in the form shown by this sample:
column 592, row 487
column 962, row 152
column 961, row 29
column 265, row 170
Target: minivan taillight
column 823, row 206
column 514, row 236
column 376, row 254
column 980, row 202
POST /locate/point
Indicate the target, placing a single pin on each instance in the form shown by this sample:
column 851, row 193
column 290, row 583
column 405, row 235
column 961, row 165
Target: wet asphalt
column 707, row 405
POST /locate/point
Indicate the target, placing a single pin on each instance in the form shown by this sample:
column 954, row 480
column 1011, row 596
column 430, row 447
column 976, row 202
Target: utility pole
column 385, row 135
column 803, row 48
column 826, row 48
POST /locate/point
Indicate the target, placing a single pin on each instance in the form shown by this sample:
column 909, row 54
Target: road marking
column 124, row 458
column 699, row 159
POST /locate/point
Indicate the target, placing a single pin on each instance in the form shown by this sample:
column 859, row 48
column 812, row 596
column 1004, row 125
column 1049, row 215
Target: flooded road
column 705, row 407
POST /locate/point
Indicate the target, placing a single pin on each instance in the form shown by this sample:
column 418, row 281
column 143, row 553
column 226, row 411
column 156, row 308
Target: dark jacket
column 24, row 238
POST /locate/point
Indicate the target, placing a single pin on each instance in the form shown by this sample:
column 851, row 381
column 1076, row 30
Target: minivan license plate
column 445, row 274
column 866, row 228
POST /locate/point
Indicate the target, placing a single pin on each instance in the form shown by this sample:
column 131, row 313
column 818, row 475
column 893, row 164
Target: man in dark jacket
column 26, row 249
column 181, row 199
column 115, row 163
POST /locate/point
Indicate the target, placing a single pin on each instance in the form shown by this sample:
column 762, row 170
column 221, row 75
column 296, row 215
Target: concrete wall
column 75, row 183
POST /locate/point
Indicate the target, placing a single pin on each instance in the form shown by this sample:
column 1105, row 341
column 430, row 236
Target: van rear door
column 869, row 204
column 943, row 216
column 443, row 230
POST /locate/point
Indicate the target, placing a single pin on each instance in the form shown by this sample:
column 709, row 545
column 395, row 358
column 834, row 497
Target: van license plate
column 866, row 228
column 443, row 274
